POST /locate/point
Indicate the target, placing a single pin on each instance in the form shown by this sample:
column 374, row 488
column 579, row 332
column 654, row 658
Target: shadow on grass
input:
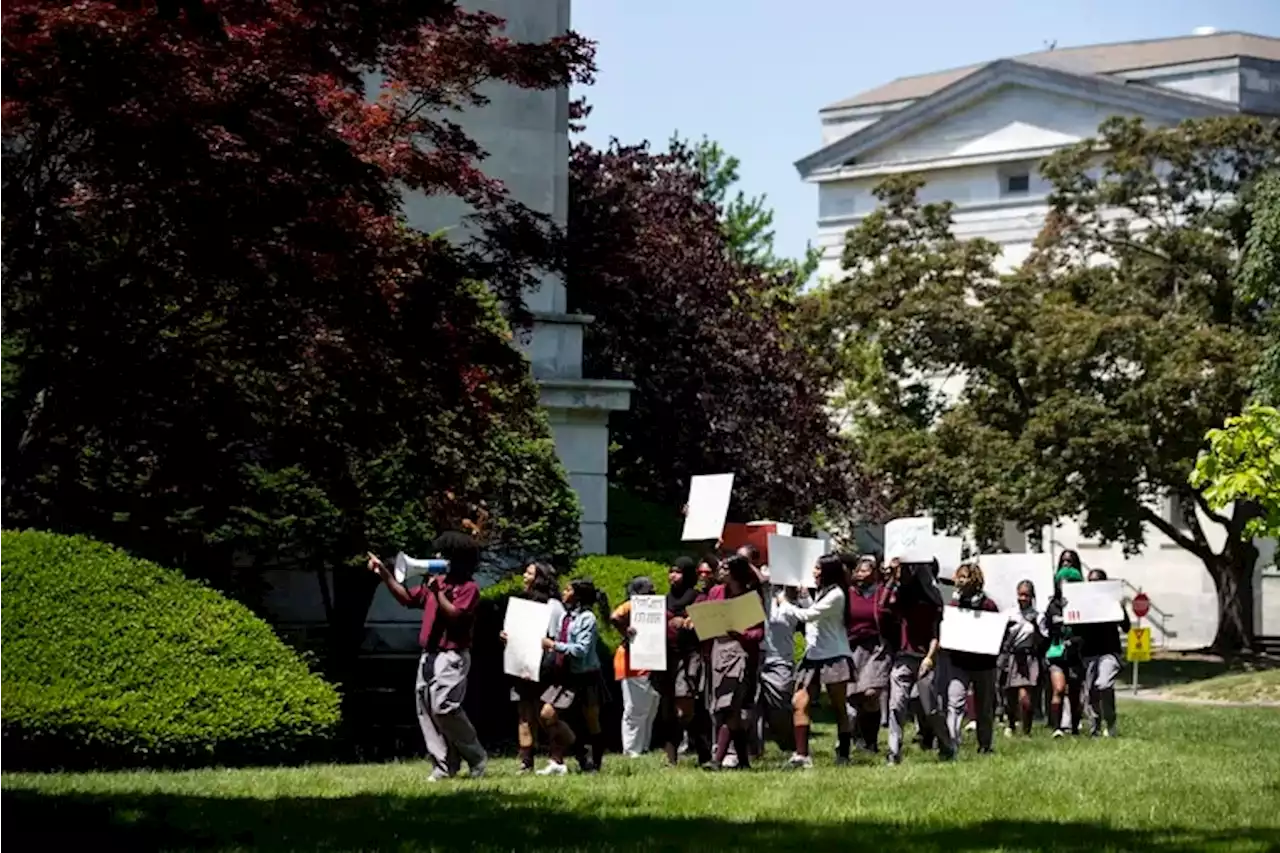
column 488, row 820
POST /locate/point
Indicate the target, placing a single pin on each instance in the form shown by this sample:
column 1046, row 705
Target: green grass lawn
column 1242, row 687
column 1182, row 778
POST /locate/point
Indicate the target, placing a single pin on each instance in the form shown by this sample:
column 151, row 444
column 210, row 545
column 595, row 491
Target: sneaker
column 554, row 768
column 438, row 775
column 800, row 762
column 971, row 726
column 684, row 745
column 947, row 754
column 1109, row 731
column 730, row 762
column 478, row 769
column 1009, row 732
column 1059, row 732
column 525, row 770
column 712, row 766
column 985, row 750
column 893, row 759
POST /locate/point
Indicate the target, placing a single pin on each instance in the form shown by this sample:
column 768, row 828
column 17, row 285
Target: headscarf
column 1068, row 574
column 686, row 592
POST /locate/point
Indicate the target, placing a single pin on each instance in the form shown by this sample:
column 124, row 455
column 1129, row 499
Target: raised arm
column 401, row 594
column 815, row 611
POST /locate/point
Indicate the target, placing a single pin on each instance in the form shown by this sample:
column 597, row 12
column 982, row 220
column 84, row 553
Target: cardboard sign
column 1002, row 573
column 1093, row 602
column 792, row 560
column 974, row 631
column 737, row 535
column 713, row 619
column 909, row 540
column 708, row 505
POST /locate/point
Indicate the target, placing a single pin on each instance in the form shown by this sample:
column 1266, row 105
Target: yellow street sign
column 1138, row 648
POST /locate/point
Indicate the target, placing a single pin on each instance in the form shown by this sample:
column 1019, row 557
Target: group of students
column 871, row 646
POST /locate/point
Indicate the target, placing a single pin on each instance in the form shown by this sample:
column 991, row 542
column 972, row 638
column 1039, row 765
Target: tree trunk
column 1233, row 574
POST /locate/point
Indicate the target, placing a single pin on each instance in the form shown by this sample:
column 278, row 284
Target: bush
column 114, row 661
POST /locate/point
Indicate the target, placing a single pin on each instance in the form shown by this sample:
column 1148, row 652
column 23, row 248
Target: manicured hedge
column 114, row 661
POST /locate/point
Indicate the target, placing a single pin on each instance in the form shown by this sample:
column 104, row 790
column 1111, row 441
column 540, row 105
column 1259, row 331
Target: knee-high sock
column 1055, row 714
column 723, row 736
column 802, row 739
column 869, row 724
column 1027, row 712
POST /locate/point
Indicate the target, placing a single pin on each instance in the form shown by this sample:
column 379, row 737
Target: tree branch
column 1216, row 517
column 1181, row 539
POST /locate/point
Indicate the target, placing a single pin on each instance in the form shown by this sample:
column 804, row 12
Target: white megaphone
column 411, row 567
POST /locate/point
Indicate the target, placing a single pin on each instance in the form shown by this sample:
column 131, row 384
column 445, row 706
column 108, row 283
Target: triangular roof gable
column 1147, row 100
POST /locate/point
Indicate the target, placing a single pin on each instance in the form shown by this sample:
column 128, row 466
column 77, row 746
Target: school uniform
column 685, row 678
column 1063, row 656
column 735, row 667
column 868, row 624
column 640, row 699
column 1100, row 651
column 527, row 694
column 576, row 681
column 965, row 670
column 1019, row 655
column 827, row 656
column 441, row 683
column 778, row 667
column 918, row 621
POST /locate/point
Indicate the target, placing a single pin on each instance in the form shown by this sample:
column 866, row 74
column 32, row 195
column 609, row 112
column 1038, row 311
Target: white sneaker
column 730, row 762
column 437, row 775
column 1008, row 732
column 801, row 762
column 634, row 754
column 1109, row 731
column 1059, row 733
column 478, row 769
column 971, row 726
column 554, row 768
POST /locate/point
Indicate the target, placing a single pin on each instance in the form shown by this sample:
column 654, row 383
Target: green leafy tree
column 1260, row 279
column 1243, row 465
column 1082, row 384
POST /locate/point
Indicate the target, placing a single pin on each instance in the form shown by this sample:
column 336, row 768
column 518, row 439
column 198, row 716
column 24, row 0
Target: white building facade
column 977, row 135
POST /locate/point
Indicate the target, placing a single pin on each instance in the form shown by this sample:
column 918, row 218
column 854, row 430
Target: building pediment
column 1007, row 106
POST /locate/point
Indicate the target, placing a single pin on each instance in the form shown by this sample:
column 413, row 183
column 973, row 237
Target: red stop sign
column 1141, row 605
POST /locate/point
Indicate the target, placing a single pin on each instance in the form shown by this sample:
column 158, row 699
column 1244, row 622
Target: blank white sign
column 791, row 559
column 1002, row 573
column 525, row 625
column 708, row 506
column 974, row 631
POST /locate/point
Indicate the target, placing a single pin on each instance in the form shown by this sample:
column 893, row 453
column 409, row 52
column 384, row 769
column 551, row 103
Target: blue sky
column 752, row 75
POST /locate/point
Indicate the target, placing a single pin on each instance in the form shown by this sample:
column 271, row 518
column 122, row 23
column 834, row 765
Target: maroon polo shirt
column 440, row 633
column 917, row 624
column 867, row 615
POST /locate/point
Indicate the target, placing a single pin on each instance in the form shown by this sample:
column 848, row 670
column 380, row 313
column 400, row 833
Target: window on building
column 1017, row 184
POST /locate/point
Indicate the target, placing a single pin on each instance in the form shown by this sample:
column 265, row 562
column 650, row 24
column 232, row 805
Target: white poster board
column 713, row 619
column 782, row 527
column 648, row 648
column 525, row 626
column 1092, row 602
column 909, row 540
column 948, row 551
column 974, row 631
column 1001, row 574
column 708, row 506
column 791, row 560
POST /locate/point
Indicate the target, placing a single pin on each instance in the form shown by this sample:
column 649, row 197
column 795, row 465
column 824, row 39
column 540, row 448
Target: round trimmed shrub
column 114, row 661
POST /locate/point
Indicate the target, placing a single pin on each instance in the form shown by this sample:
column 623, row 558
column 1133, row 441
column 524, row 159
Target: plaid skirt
column 1019, row 669
column 734, row 675
column 587, row 688
column 812, row 675
column 871, row 664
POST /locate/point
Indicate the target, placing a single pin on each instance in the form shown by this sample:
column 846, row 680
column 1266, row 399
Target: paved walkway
column 1154, row 695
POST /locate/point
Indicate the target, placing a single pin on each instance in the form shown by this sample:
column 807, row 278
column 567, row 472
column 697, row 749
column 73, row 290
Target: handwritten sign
column 648, row 648
column 1093, row 602
column 909, row 540
column 708, row 505
column 974, row 631
column 525, row 626
column 713, row 619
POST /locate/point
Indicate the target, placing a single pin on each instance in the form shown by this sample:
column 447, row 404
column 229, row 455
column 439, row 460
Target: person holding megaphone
column 448, row 599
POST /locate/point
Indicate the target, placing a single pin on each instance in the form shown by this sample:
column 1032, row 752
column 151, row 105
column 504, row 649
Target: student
column 1021, row 656
column 448, row 619
column 640, row 698
column 680, row 687
column 1066, row 670
column 827, row 662
column 916, row 605
column 1100, row 649
column 576, row 691
column 735, row 663
column 969, row 669
column 868, row 627
column 778, row 664
column 539, row 586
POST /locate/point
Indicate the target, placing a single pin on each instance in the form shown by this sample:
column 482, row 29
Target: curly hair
column 968, row 577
